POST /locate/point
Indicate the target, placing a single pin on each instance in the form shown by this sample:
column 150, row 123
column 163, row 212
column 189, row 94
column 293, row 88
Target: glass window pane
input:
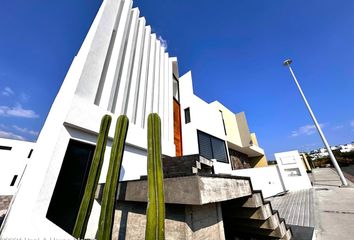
column 219, row 150
column 175, row 89
column 70, row 186
column 205, row 145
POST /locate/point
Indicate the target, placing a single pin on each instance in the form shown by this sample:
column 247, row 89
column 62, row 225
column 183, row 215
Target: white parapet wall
column 267, row 179
column 292, row 170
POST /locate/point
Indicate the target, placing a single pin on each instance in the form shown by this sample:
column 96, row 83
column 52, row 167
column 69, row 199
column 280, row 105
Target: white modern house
column 121, row 68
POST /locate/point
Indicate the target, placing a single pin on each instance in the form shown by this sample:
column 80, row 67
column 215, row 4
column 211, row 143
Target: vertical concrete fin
column 131, row 104
column 141, row 101
column 123, row 83
column 150, row 81
column 114, row 67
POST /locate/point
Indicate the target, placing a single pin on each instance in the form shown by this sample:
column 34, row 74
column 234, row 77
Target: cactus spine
column 155, row 225
column 92, row 180
column 110, row 187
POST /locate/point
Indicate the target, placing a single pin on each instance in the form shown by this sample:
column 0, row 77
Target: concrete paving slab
column 334, row 206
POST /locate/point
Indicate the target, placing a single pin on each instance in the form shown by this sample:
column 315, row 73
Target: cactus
column 155, row 213
column 110, row 187
column 92, row 180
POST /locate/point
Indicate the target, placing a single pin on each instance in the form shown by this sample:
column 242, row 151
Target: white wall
column 13, row 162
column 106, row 77
column 204, row 117
column 267, row 179
column 287, row 161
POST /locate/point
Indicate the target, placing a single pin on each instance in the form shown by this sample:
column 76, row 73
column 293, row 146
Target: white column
column 155, row 100
column 167, row 99
column 141, row 104
column 94, row 49
column 116, row 58
column 150, row 82
column 123, row 83
column 161, row 90
column 170, row 103
column 131, row 104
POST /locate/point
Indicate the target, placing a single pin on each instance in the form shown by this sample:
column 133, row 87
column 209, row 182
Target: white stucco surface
column 267, row 179
column 292, row 170
column 120, row 68
column 13, row 163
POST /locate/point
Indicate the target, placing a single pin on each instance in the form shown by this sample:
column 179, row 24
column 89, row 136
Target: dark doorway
column 70, row 186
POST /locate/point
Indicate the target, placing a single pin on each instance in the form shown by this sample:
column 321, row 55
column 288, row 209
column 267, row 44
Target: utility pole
column 333, row 159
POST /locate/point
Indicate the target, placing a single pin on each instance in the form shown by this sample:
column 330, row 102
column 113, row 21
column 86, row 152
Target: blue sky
column 235, row 50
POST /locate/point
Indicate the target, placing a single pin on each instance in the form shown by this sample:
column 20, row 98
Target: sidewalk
column 334, row 206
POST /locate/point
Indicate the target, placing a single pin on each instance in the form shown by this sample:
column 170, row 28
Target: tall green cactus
column 155, row 225
column 92, row 180
column 110, row 187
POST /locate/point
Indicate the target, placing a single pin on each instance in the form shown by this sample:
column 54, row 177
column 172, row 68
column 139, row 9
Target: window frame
column 227, row 161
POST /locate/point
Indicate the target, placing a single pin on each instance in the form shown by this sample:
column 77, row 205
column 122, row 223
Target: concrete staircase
column 199, row 205
column 253, row 218
column 244, row 218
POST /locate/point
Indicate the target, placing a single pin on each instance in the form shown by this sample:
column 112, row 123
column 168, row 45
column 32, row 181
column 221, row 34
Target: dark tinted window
column 5, row 148
column 70, row 186
column 13, row 181
column 187, row 115
column 211, row 147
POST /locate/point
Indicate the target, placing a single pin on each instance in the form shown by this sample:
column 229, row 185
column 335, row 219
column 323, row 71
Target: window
column 13, row 180
column 293, row 172
column 187, row 115
column 211, row 147
column 30, row 153
column 223, row 122
column 175, row 88
column 70, row 186
column 5, row 148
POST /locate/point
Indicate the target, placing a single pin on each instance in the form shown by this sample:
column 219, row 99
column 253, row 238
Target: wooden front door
column 177, row 128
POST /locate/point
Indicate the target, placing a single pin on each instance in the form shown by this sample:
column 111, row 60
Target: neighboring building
column 14, row 156
column 349, row 147
column 323, row 153
column 122, row 68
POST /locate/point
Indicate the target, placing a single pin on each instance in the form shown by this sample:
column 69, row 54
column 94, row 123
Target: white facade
column 292, row 170
column 121, row 68
column 204, row 117
column 14, row 156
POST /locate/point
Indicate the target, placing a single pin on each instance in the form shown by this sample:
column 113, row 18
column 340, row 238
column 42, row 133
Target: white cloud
column 17, row 111
column 7, row 91
column 25, row 130
column 338, row 127
column 5, row 134
column 163, row 42
column 352, row 123
column 305, row 130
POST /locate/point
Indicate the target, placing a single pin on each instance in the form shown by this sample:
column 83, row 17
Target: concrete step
column 279, row 233
column 261, row 213
column 271, row 223
column 287, row 235
column 253, row 201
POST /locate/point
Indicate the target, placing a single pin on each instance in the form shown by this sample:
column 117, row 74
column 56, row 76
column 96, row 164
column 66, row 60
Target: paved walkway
column 327, row 206
column 334, row 206
column 296, row 207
